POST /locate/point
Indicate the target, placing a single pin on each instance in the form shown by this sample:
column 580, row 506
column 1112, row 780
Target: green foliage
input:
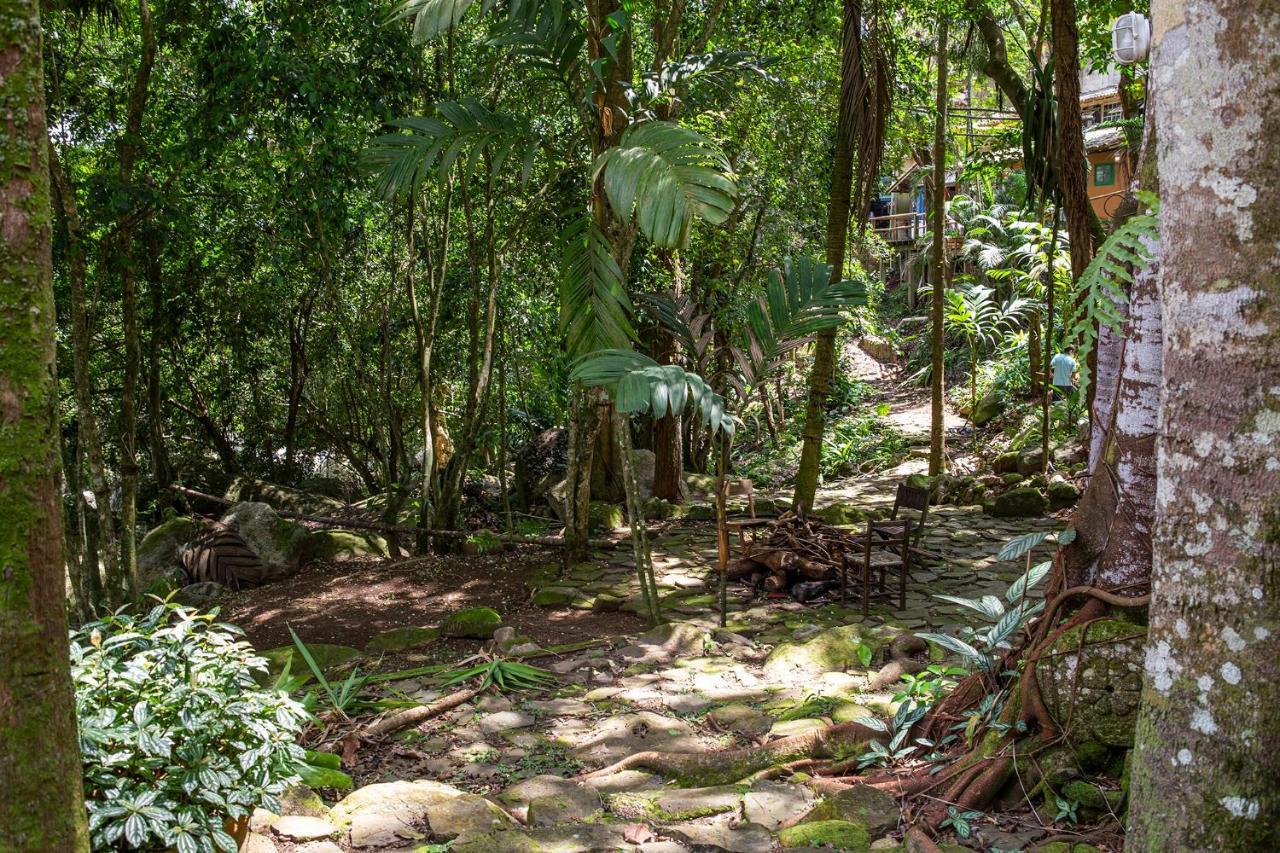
column 640, row 384
column 1103, row 286
column 666, row 175
column 898, row 727
column 594, row 306
column 342, row 696
column 1006, row 617
column 960, row 821
column 434, row 18
column 813, row 706
column 485, row 541
column 464, row 133
column 175, row 735
column 503, row 674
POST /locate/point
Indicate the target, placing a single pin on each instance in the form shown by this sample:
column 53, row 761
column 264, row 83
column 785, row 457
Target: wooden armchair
column 910, row 497
column 887, row 548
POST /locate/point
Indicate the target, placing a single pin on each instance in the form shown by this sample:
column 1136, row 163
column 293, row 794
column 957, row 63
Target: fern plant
column 1103, row 287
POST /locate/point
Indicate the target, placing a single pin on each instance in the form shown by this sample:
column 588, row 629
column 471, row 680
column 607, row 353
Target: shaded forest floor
column 779, row 668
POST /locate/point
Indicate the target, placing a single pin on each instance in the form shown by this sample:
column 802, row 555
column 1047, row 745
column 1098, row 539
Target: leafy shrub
column 175, row 734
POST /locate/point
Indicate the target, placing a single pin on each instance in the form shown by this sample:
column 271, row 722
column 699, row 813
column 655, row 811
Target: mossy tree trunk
column 1208, row 740
column 41, row 807
column 838, row 214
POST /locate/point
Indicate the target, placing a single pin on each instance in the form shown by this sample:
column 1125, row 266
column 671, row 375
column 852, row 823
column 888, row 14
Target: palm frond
column 641, row 385
column 800, row 300
column 1104, row 284
column 713, row 73
column 433, row 18
column 594, row 308
column 667, row 174
column 464, row 133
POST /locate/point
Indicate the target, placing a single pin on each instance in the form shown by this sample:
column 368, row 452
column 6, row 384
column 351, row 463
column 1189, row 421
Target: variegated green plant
column 175, row 734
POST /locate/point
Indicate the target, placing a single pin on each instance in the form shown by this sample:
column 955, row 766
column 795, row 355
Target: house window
column 1112, row 112
column 1104, row 174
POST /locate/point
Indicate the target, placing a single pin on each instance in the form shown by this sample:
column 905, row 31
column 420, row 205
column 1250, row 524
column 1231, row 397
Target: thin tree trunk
column 42, row 806
column 129, row 306
column 483, row 337
column 1046, row 397
column 1207, row 753
column 937, row 422
column 668, row 456
column 161, row 466
column 635, row 514
column 838, row 214
column 86, row 420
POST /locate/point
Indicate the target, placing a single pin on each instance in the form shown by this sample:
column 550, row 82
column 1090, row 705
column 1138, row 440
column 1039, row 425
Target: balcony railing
column 900, row 227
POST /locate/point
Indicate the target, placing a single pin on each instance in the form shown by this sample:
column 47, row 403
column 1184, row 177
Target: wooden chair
column 887, row 548
column 910, row 497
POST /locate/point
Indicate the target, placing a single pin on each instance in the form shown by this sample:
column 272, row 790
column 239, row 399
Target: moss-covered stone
column 832, row 650
column 159, row 554
column 476, row 623
column 343, row 544
column 870, row 808
column 989, row 407
column 603, row 517
column 326, row 656
column 555, row 596
column 1012, row 478
column 1062, row 494
column 279, row 543
column 400, row 639
column 1020, row 502
column 281, row 497
column 836, row 834
column 1092, row 675
column 844, row 513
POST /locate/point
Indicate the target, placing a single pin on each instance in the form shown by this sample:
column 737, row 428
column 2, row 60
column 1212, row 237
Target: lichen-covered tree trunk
column 41, row 804
column 1208, row 740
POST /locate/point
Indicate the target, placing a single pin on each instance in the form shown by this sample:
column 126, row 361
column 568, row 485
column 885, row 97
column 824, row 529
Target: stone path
column 492, row 775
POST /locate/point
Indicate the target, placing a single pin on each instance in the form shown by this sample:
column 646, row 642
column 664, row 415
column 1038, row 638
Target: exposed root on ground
column 694, row 769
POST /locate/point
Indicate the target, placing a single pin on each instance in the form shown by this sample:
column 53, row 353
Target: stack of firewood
column 794, row 550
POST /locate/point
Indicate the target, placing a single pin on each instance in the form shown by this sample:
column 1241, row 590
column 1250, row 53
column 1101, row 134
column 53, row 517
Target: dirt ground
column 348, row 602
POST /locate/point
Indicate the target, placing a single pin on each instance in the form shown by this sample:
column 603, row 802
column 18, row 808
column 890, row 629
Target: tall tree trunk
column 129, row 144
column 161, row 466
column 1208, row 741
column 424, row 329
column 838, row 214
column 1073, row 184
column 42, row 805
column 105, row 542
column 483, row 334
column 937, row 420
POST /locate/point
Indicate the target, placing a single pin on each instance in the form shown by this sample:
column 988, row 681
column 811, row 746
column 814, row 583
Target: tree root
column 903, row 661
column 697, row 769
column 414, row 716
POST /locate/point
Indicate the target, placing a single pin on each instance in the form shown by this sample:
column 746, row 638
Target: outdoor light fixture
column 1130, row 38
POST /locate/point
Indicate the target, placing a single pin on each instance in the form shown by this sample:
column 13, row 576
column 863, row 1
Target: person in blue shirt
column 1064, row 369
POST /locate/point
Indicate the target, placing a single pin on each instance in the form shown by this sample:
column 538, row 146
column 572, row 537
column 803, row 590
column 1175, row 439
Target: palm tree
column 647, row 175
column 973, row 315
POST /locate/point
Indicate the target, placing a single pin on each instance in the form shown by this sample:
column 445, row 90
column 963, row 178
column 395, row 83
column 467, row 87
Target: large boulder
column 1019, row 502
column 540, row 464
column 336, row 544
column 644, row 464
column 160, row 554
column 281, row 545
column 1062, row 493
column 604, row 517
column 990, row 406
column 1092, row 676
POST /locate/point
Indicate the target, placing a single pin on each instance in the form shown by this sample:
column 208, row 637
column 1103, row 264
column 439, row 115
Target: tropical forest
column 661, row 426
